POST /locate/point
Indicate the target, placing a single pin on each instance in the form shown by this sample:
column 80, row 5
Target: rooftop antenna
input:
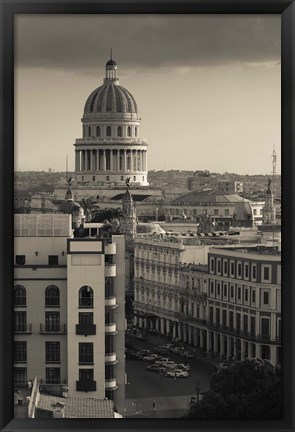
column 274, row 167
column 67, row 169
column 111, row 53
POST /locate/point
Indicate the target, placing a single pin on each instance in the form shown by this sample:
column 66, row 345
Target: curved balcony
column 111, row 302
column 111, row 358
column 111, row 384
column 111, row 328
column 110, row 249
column 110, row 270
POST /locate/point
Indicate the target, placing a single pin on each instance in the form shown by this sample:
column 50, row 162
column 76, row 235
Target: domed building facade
column 110, row 150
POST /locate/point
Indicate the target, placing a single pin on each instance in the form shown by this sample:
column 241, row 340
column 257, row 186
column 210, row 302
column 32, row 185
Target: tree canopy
column 247, row 389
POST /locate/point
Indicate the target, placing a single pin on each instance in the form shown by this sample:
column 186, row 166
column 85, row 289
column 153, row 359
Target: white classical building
column 69, row 302
column 111, row 149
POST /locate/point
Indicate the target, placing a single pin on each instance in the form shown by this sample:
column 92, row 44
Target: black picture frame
column 9, row 8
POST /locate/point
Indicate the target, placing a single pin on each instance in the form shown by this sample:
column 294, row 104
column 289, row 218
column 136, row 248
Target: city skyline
column 195, row 92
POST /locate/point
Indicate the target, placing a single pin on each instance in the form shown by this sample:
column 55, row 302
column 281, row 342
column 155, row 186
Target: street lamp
column 198, row 389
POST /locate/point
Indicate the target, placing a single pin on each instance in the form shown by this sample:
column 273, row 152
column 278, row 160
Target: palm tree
column 89, row 206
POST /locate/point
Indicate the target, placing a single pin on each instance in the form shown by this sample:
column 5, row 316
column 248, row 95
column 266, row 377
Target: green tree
column 250, row 388
column 108, row 214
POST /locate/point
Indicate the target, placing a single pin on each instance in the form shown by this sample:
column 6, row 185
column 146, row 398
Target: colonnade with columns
column 108, row 159
column 218, row 344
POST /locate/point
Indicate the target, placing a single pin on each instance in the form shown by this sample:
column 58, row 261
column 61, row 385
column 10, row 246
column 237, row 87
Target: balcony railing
column 111, row 384
column 23, row 328
column 110, row 270
column 110, row 328
column 86, row 386
column 86, row 329
column 52, row 328
column 242, row 334
column 111, row 302
column 111, row 358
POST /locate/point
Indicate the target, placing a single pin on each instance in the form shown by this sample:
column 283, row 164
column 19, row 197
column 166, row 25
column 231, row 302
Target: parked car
column 154, row 368
column 183, row 366
column 223, row 365
column 187, row 354
column 162, row 360
column 151, row 357
column 177, row 373
column 145, row 352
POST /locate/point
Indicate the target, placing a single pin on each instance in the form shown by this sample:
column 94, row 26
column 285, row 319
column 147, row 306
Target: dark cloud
column 80, row 42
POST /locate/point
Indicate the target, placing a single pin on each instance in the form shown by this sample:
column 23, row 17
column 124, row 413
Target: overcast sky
column 207, row 87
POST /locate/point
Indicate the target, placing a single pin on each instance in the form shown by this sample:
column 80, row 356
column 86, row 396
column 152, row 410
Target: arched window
column 119, row 131
column 89, row 131
column 52, row 296
column 135, row 131
column 20, row 296
column 129, row 131
column 109, row 131
column 97, row 131
column 86, row 297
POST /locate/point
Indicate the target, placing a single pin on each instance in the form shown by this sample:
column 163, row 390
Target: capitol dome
column 110, row 150
column 110, row 98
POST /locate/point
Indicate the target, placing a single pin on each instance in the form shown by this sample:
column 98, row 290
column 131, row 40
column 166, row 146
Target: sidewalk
column 166, row 405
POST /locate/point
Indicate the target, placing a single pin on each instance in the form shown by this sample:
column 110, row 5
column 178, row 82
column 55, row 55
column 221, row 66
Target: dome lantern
column 111, row 71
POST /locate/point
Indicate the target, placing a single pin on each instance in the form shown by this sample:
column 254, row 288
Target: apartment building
column 69, row 309
column 244, row 303
column 170, row 291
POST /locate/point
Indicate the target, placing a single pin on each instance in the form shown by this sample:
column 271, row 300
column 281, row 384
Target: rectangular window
column 231, row 319
column 212, row 287
column 253, row 297
column 265, row 298
column 246, row 271
column 246, row 294
column 232, row 291
column 20, row 259
column 232, row 269
column 212, row 264
column 52, row 260
column 238, row 316
column 217, row 316
column 52, row 321
column 225, row 267
column 52, row 352
column 265, row 352
column 239, row 293
column 218, row 288
column 52, row 375
column 264, row 326
column 86, row 353
column 224, row 317
column 254, row 271
column 85, row 317
column 211, row 314
column 225, row 290
column 239, row 270
column 226, row 212
column 215, row 212
column 266, row 273
column 245, row 323
column 20, row 351
column 218, row 266
column 85, row 374
column 20, row 321
column 253, row 325
column 20, row 376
